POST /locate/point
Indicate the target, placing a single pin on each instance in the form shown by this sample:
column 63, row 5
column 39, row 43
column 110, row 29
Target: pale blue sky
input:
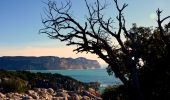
column 20, row 21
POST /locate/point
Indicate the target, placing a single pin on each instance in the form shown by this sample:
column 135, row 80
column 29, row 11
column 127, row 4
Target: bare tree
column 161, row 30
column 95, row 36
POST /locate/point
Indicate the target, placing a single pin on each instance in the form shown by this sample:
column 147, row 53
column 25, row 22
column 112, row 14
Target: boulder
column 50, row 91
column 49, row 97
column 17, row 94
column 31, row 92
column 62, row 90
column 9, row 95
column 34, row 95
column 62, row 94
column 85, row 98
column 75, row 96
column 37, row 89
column 2, row 95
column 44, row 90
column 42, row 95
column 16, row 97
column 27, row 98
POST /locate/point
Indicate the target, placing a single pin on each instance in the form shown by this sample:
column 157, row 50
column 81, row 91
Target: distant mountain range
column 46, row 63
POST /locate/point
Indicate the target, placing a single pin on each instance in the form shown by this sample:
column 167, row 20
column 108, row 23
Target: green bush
column 114, row 93
column 14, row 85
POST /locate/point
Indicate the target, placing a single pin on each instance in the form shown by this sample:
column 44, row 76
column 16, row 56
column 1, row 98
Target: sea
column 88, row 75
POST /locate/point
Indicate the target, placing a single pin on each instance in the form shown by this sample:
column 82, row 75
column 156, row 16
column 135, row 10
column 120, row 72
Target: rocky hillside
column 50, row 94
column 46, row 63
column 23, row 85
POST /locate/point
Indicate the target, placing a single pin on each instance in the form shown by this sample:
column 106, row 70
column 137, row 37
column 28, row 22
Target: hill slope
column 46, row 63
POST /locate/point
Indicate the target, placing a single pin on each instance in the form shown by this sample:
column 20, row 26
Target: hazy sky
column 20, row 21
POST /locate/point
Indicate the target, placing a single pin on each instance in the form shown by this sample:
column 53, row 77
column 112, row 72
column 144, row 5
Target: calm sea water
column 90, row 75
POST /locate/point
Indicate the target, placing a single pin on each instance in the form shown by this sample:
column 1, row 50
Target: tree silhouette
column 93, row 36
column 98, row 36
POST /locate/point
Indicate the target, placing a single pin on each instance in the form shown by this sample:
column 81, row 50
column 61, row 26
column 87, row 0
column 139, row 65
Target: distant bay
column 88, row 75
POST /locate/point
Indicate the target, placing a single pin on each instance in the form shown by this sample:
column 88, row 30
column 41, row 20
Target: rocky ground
column 50, row 94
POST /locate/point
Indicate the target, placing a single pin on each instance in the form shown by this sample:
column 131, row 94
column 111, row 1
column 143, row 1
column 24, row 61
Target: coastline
column 94, row 75
column 87, row 75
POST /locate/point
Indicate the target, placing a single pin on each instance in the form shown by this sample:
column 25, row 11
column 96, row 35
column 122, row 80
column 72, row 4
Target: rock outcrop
column 50, row 94
column 46, row 63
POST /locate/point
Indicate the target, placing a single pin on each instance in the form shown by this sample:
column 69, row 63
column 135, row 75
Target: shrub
column 114, row 93
column 14, row 85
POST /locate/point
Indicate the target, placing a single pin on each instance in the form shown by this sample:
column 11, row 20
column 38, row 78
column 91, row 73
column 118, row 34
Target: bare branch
column 161, row 30
column 165, row 18
column 94, row 37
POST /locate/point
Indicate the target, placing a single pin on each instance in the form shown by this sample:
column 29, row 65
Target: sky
column 20, row 21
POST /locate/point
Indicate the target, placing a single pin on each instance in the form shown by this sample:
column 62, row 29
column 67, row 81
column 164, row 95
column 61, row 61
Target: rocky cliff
column 46, row 63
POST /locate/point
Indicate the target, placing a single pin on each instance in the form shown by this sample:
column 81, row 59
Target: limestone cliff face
column 46, row 63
